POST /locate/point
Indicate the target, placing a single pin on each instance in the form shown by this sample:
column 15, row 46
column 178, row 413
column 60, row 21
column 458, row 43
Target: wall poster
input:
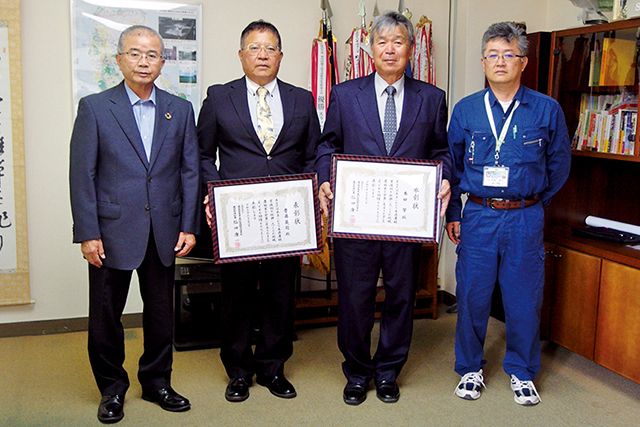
column 97, row 24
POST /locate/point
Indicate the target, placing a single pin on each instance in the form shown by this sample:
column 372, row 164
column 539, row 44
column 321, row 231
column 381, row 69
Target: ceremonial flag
column 324, row 69
column 359, row 58
column 424, row 67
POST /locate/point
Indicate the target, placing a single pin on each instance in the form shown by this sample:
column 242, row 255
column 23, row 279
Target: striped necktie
column 266, row 131
column 389, row 129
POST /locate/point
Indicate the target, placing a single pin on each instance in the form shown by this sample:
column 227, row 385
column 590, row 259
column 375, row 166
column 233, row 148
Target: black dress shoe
column 278, row 386
column 387, row 391
column 110, row 409
column 237, row 390
column 354, row 393
column 168, row 399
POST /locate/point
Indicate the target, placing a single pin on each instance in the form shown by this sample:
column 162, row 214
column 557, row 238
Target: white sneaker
column 469, row 386
column 525, row 392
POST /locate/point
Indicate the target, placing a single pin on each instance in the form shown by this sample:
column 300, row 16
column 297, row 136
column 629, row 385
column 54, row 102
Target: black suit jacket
column 225, row 128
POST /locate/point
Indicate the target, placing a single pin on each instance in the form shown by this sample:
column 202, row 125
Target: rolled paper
column 595, row 221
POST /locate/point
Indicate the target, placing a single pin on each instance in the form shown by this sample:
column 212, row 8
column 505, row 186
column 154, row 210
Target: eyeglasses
column 135, row 56
column 508, row 57
column 254, row 49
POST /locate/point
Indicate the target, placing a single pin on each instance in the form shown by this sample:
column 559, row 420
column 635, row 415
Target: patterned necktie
column 266, row 133
column 390, row 123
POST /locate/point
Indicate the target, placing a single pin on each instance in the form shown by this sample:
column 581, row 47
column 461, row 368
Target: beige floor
column 46, row 381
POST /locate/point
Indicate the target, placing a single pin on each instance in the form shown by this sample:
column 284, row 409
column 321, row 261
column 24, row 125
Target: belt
column 504, row 203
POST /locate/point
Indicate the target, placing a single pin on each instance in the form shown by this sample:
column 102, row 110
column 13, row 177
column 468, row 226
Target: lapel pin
column 167, row 116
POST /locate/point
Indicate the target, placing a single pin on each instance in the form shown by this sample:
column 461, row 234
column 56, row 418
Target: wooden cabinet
column 536, row 74
column 574, row 306
column 618, row 333
column 595, row 293
column 595, row 308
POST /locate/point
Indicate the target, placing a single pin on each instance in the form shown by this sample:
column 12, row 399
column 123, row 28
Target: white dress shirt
column 381, row 97
column 273, row 101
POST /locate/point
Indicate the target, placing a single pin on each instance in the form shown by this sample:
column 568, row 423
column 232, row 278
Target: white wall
column 58, row 272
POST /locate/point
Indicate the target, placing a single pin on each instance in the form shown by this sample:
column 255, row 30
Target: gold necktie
column 266, row 133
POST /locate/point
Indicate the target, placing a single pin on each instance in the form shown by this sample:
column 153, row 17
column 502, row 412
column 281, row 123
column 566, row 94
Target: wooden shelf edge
column 616, row 252
column 588, row 29
column 610, row 156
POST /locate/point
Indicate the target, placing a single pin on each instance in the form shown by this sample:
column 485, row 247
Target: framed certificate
column 383, row 198
column 261, row 218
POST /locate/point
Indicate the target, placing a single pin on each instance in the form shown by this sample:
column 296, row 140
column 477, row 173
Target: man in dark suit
column 386, row 114
column 134, row 179
column 257, row 126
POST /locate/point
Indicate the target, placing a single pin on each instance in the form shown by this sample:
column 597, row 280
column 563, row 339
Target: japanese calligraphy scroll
column 14, row 262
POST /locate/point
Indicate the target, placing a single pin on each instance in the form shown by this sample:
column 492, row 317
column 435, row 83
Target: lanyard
column 505, row 126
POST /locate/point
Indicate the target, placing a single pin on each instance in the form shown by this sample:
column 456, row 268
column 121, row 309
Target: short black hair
column 260, row 25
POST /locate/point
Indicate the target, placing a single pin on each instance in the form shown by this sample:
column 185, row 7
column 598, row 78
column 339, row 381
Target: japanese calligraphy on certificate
column 264, row 218
column 385, row 199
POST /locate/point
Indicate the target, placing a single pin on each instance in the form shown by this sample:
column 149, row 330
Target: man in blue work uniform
column 511, row 153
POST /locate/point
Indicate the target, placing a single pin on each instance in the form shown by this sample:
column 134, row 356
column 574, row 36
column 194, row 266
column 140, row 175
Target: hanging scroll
column 14, row 256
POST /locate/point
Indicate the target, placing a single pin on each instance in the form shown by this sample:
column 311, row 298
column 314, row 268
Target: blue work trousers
column 506, row 245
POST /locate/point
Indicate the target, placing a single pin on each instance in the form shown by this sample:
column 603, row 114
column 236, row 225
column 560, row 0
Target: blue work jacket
column 536, row 148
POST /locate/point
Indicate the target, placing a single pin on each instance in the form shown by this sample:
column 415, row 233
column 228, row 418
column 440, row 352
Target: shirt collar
column 253, row 87
column 520, row 96
column 133, row 98
column 381, row 85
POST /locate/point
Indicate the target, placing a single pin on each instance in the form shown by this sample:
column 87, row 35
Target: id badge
column 495, row 176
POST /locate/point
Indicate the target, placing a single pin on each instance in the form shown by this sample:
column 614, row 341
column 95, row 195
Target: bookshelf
column 594, row 77
column 601, row 183
column 594, row 297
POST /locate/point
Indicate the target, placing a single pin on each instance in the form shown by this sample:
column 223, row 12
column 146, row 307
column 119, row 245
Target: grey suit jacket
column 120, row 196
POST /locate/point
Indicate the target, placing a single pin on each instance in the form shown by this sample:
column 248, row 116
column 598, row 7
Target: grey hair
column 508, row 31
column 389, row 21
column 138, row 30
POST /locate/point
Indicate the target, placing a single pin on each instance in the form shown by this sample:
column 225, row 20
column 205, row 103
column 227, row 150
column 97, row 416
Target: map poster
column 97, row 24
column 262, row 218
column 381, row 198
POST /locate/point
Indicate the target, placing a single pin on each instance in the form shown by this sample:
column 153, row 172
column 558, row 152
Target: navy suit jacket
column 118, row 195
column 225, row 128
column 353, row 125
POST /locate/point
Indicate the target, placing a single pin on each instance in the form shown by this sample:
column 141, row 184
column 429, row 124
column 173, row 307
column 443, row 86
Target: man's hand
column 444, row 195
column 453, row 230
column 325, row 195
column 93, row 251
column 207, row 211
column 185, row 243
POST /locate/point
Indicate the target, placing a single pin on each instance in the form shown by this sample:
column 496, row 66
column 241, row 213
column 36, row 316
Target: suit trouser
column 358, row 264
column 272, row 306
column 108, row 290
column 506, row 245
